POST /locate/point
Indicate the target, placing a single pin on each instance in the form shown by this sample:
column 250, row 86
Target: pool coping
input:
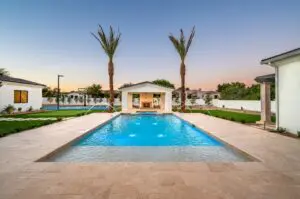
column 69, row 143
column 248, row 158
column 234, row 149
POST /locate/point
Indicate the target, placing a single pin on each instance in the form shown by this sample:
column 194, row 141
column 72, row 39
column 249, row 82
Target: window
column 20, row 96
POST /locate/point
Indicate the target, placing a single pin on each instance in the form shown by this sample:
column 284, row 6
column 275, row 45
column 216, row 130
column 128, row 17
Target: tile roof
column 6, row 78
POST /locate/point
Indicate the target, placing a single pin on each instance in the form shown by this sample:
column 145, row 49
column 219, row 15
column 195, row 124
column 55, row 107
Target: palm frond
column 179, row 48
column 180, row 44
column 110, row 43
column 190, row 40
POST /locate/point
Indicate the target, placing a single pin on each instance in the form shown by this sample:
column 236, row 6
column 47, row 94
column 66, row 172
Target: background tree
column 207, row 100
column 239, row 91
column 3, row 71
column 94, row 90
column 164, row 82
column 126, row 84
column 47, row 92
column 95, row 100
column 109, row 45
column 182, row 47
column 193, row 99
column 106, row 95
column 50, row 99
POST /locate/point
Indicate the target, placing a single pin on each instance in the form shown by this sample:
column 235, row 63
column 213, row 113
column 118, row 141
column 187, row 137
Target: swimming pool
column 147, row 137
column 54, row 107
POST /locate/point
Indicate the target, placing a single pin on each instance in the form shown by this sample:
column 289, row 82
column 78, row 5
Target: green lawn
column 10, row 127
column 233, row 116
column 60, row 113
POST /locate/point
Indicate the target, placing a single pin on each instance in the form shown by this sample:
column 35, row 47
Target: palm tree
column 109, row 45
column 3, row 71
column 182, row 47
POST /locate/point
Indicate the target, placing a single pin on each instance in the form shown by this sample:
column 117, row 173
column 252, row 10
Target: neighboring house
column 20, row 93
column 199, row 94
column 74, row 94
column 287, row 81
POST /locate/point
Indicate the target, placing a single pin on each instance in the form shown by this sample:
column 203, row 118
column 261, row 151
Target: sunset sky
column 40, row 39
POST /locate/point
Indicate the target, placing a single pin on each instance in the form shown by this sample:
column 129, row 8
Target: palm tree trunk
column 182, row 74
column 111, row 85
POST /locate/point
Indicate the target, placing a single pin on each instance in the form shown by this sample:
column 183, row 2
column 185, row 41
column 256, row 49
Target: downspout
column 277, row 94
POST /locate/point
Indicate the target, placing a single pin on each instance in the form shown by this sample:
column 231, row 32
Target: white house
column 151, row 97
column 20, row 93
column 287, row 83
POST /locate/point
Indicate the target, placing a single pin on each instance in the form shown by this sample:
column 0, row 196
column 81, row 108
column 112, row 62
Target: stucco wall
column 251, row 105
column 289, row 95
column 7, row 96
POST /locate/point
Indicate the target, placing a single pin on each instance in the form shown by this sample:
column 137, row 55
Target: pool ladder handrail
column 189, row 108
column 108, row 105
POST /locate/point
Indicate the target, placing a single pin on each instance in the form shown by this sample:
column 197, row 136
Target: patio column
column 129, row 101
column 168, row 102
column 124, row 101
column 265, row 100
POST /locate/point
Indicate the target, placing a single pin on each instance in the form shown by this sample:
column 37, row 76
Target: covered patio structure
column 146, row 96
column 265, row 82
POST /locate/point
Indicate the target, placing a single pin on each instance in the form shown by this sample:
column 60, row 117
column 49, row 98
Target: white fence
column 72, row 102
column 251, row 105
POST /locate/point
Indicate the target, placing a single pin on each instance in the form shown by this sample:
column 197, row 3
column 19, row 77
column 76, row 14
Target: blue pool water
column 147, row 130
column 146, row 138
column 52, row 108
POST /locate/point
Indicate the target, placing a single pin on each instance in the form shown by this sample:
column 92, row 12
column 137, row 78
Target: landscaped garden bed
column 10, row 127
column 229, row 115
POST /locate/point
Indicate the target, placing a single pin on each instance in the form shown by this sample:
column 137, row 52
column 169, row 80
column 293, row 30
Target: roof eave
column 286, row 55
column 40, row 85
column 141, row 83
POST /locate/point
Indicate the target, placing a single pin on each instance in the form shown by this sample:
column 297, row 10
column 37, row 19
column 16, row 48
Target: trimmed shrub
column 20, row 109
column 281, row 130
column 30, row 109
column 59, row 119
column 243, row 121
column 9, row 109
column 18, row 130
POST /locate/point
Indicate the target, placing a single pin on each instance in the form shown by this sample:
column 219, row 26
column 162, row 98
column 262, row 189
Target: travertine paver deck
column 277, row 175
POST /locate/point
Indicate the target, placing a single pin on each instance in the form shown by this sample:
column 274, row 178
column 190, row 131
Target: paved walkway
column 276, row 175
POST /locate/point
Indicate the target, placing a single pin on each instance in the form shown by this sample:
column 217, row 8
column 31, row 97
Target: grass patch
column 57, row 114
column 233, row 116
column 10, row 127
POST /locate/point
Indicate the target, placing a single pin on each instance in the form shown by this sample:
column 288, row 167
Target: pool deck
column 275, row 175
